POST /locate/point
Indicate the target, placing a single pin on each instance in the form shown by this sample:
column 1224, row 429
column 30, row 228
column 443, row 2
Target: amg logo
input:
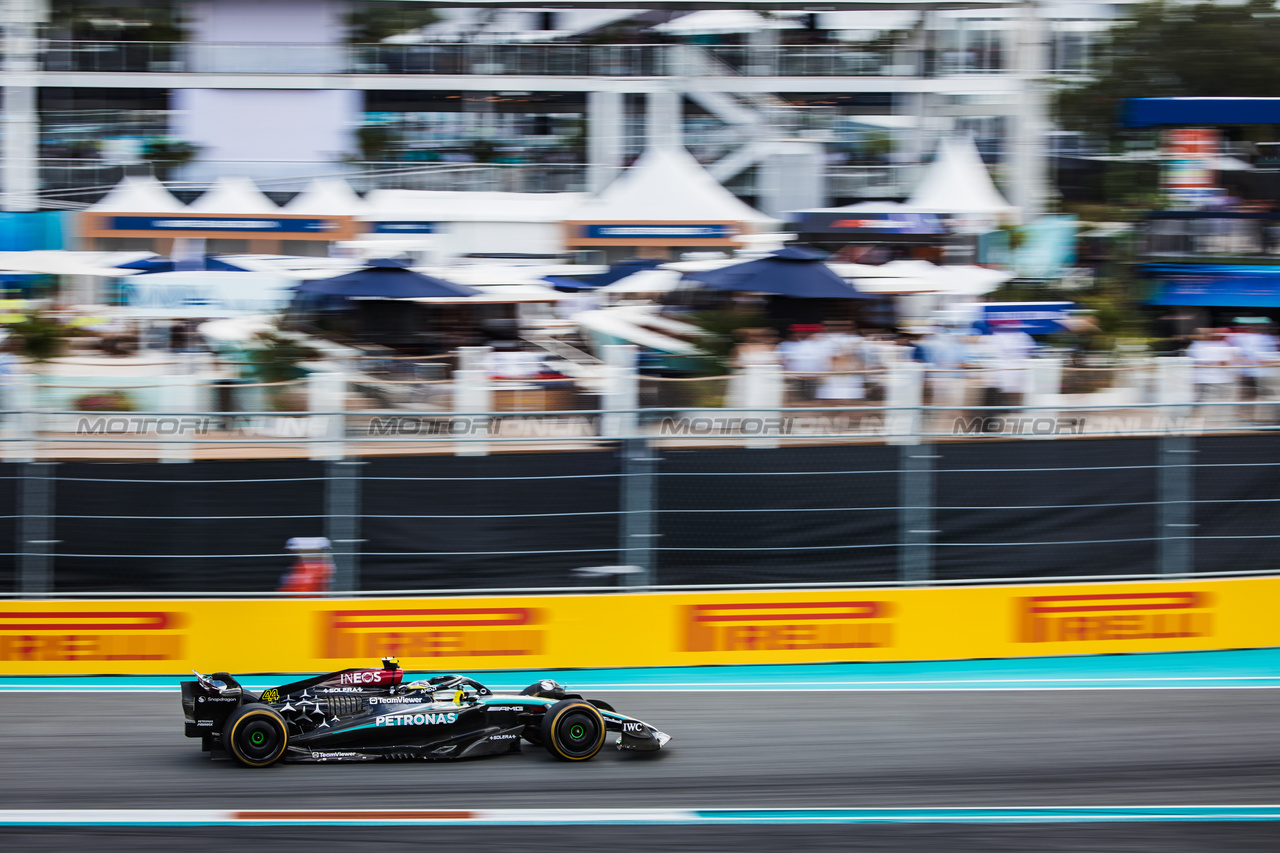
column 445, row 632
column 416, row 720
column 1113, row 616
column 787, row 626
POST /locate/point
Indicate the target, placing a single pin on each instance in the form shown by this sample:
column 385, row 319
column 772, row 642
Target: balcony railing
column 579, row 60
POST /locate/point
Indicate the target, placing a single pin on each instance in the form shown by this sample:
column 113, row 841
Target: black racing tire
column 573, row 730
column 255, row 735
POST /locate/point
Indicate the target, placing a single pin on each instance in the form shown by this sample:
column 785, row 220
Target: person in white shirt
column 1257, row 353
column 1215, row 363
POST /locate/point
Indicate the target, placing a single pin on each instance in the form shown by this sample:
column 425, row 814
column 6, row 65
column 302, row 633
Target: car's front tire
column 255, row 735
column 573, row 730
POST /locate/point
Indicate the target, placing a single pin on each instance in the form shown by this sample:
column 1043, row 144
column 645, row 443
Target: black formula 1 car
column 370, row 715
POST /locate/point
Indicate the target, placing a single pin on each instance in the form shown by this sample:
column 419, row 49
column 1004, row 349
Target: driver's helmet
column 419, row 688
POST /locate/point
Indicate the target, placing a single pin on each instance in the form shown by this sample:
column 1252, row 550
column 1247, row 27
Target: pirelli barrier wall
column 635, row 630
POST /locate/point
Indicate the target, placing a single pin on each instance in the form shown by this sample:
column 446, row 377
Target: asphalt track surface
column 742, row 750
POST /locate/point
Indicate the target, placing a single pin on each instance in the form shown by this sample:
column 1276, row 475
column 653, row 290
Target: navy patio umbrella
column 617, row 272
column 794, row 271
column 385, row 278
column 206, row 264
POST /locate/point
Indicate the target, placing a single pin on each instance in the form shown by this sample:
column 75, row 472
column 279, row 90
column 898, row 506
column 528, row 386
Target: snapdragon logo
column 416, row 719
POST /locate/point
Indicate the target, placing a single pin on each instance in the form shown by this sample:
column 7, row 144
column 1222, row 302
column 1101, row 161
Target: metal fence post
column 915, row 513
column 1174, row 484
column 639, row 492
column 35, row 529
column 342, row 521
column 326, row 426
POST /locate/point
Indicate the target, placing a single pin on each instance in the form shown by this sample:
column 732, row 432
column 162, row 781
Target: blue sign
column 1034, row 318
column 245, row 224
column 836, row 222
column 660, row 231
column 389, row 227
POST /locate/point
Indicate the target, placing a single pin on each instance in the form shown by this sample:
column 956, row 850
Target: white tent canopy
column 327, row 197
column 464, row 206
column 138, row 195
column 234, row 196
column 667, row 185
column 957, row 181
column 715, row 21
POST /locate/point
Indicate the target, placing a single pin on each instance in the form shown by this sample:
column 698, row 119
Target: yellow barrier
column 636, row 630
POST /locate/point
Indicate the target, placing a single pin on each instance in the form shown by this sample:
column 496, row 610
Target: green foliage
column 167, row 155
column 76, row 19
column 276, row 357
column 1168, row 49
column 38, row 338
column 375, row 141
column 719, row 338
column 370, row 23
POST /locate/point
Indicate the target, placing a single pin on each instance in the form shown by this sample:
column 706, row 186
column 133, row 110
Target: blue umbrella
column 385, row 278
column 208, row 264
column 794, row 271
column 617, row 272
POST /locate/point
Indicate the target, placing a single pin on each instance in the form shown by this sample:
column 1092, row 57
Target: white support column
column 20, row 418
column 904, row 395
column 664, row 120
column 19, row 173
column 1175, row 391
column 604, row 138
column 1045, row 375
column 179, row 400
column 472, row 401
column 763, row 393
column 1028, row 174
column 621, row 397
column 326, row 399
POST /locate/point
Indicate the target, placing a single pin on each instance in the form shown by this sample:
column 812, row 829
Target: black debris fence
column 642, row 514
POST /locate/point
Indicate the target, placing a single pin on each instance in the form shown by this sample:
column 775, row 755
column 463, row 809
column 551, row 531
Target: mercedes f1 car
column 370, row 715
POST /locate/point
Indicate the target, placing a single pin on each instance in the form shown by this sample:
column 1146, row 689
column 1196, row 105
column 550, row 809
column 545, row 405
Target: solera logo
column 1113, row 616
column 436, row 632
column 787, row 626
column 75, row 635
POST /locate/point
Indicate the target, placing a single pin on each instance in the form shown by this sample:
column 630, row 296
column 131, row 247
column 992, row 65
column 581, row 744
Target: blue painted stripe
column 562, row 817
column 1246, row 668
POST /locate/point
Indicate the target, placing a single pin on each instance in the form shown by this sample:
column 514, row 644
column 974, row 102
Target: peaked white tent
column 667, row 185
column 717, row 21
column 234, row 196
column 138, row 195
column 327, row 197
column 957, row 181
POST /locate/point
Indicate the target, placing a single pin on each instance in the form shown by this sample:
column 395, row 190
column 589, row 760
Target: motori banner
column 156, row 637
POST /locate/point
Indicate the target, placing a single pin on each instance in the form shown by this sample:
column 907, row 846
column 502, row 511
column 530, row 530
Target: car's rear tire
column 573, row 730
column 255, row 735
